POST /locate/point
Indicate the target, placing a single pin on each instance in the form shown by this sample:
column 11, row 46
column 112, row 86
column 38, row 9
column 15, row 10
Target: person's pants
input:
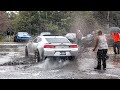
column 8, row 38
column 101, row 56
column 116, row 47
column 78, row 41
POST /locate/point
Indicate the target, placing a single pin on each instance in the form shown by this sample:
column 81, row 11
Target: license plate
column 61, row 46
column 62, row 53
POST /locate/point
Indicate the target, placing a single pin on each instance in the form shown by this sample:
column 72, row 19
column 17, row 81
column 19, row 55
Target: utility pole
column 108, row 18
column 39, row 22
column 46, row 14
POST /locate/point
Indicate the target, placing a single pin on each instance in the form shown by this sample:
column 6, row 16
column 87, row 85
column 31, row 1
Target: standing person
column 116, row 44
column 101, row 44
column 79, row 36
column 8, row 36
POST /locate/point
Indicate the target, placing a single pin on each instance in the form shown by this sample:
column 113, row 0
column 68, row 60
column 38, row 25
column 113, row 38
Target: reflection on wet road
column 14, row 65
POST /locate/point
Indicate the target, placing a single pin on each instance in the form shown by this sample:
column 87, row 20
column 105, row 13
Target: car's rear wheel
column 26, row 52
column 42, row 57
column 37, row 56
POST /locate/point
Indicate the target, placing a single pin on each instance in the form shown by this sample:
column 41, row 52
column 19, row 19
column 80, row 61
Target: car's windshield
column 57, row 40
column 22, row 33
column 71, row 34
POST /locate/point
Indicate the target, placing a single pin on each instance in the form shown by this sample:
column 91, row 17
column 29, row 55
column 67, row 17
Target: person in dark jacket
column 8, row 36
column 79, row 36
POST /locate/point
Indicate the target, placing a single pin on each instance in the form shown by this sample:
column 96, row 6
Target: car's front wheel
column 37, row 56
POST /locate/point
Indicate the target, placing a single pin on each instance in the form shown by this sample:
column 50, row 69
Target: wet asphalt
column 14, row 65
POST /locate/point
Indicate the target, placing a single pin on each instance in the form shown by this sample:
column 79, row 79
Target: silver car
column 51, row 46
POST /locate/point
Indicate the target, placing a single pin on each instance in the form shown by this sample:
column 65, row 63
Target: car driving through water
column 51, row 46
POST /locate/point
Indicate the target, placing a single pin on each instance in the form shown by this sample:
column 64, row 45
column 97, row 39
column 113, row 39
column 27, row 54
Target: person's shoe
column 97, row 68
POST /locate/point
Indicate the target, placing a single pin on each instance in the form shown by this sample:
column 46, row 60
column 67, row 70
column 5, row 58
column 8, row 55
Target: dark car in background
column 22, row 36
column 109, row 40
column 88, row 40
column 71, row 37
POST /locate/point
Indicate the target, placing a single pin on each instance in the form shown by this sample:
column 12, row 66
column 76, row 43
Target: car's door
column 39, row 45
column 30, row 44
column 33, row 45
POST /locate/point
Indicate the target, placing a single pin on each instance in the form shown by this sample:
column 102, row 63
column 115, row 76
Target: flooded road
column 14, row 65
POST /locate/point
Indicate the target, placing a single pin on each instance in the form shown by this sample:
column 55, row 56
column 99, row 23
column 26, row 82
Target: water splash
column 50, row 63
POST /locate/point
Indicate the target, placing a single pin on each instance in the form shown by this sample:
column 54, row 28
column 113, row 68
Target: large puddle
column 16, row 57
column 49, row 64
column 9, row 52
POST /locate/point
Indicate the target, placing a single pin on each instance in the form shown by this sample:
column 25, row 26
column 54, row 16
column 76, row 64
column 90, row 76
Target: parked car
column 109, row 40
column 45, row 33
column 51, row 47
column 88, row 40
column 71, row 37
column 22, row 36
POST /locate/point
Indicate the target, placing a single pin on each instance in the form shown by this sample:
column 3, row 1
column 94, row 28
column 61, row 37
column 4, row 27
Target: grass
column 3, row 39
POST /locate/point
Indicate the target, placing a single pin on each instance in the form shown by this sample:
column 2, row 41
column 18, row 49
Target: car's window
column 57, row 40
column 22, row 33
column 39, row 39
column 35, row 40
column 45, row 33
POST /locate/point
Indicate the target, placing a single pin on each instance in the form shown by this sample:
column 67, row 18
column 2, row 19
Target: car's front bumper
column 23, row 39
